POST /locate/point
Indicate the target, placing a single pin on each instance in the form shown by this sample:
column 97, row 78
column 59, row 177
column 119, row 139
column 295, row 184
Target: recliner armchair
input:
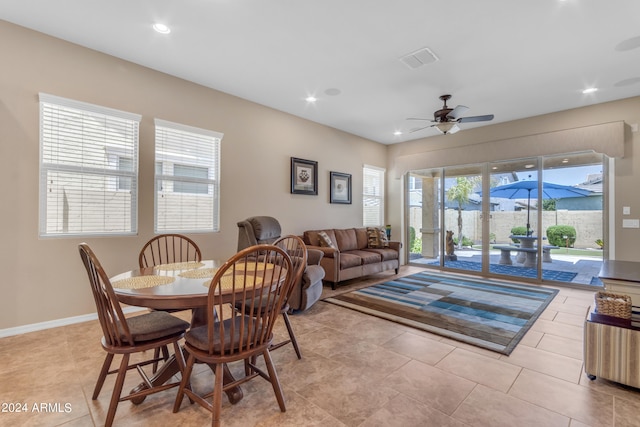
column 266, row 230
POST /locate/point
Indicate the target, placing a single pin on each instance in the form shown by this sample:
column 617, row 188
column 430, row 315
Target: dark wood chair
column 126, row 336
column 297, row 250
column 256, row 273
column 169, row 249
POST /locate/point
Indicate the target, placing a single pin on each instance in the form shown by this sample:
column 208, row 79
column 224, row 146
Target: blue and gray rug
column 511, row 270
column 485, row 313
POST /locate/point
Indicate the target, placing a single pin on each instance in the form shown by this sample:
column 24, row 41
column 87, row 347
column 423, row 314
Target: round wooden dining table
column 177, row 286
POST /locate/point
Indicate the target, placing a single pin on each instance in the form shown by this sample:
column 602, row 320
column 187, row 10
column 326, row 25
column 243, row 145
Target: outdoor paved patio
column 586, row 269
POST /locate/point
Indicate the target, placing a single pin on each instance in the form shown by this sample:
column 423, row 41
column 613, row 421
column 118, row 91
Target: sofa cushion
column 368, row 257
column 362, row 238
column 386, row 253
column 311, row 238
column 377, row 238
column 348, row 260
column 325, row 241
column 346, row 239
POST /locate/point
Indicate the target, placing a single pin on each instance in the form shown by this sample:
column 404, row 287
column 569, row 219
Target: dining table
column 176, row 286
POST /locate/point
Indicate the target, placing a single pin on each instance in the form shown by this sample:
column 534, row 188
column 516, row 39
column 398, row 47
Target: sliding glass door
column 534, row 219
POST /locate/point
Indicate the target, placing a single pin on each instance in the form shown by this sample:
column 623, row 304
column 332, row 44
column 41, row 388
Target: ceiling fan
column 446, row 119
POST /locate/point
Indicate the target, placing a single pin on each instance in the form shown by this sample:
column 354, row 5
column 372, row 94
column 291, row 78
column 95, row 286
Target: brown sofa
column 353, row 256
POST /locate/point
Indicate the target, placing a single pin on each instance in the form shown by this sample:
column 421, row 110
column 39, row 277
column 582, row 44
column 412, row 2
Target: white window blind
column 372, row 196
column 88, row 169
column 187, row 178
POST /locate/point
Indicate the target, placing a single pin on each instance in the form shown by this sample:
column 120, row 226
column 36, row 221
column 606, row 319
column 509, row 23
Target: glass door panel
column 572, row 218
column 513, row 224
column 462, row 221
column 423, row 190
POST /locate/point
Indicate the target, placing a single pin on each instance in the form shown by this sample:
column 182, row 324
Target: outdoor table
column 528, row 255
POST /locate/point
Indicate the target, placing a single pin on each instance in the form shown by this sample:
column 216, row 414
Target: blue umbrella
column 528, row 189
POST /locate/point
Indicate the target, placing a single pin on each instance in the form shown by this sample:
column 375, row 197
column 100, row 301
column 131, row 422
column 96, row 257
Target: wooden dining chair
column 297, row 250
column 168, row 249
column 126, row 336
column 253, row 274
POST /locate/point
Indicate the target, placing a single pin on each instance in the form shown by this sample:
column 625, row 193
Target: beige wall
column 627, row 168
column 43, row 279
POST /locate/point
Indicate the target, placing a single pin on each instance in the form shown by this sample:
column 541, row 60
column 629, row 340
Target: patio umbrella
column 529, row 189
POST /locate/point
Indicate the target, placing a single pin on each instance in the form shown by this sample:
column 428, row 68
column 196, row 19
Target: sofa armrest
column 326, row 252
column 314, row 256
column 395, row 245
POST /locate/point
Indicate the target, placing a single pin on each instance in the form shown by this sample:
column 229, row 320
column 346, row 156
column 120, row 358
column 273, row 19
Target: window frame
column 167, row 157
column 64, row 124
column 374, row 196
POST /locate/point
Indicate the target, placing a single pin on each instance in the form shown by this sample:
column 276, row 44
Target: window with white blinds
column 88, row 169
column 372, row 196
column 187, row 178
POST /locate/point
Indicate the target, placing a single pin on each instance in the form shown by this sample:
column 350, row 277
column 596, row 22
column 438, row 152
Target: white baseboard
column 59, row 322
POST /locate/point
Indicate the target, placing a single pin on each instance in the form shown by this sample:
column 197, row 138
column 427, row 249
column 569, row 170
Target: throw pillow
column 377, row 238
column 325, row 240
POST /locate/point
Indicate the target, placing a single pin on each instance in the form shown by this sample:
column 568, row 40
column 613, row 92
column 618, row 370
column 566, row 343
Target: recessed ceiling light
column 311, row 98
column 397, row 133
column 161, row 28
column 565, row 160
column 529, row 166
column 590, row 90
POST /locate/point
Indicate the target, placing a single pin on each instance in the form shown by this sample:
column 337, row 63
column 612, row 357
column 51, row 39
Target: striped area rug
column 486, row 313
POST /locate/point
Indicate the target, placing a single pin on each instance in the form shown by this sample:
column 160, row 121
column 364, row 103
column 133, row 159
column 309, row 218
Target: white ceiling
column 510, row 58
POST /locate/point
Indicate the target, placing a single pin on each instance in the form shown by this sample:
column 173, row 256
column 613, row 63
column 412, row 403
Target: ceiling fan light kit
column 446, row 119
column 447, row 127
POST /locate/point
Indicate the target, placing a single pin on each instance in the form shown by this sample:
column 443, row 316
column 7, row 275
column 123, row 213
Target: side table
column 612, row 348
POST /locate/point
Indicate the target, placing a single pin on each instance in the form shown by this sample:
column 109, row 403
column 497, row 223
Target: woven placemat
column 179, row 266
column 140, row 282
column 226, row 281
column 199, row 273
column 260, row 266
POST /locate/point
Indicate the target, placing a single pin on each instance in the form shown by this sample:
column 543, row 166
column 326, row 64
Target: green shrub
column 518, row 231
column 465, row 241
column 412, row 241
column 556, row 235
column 416, row 247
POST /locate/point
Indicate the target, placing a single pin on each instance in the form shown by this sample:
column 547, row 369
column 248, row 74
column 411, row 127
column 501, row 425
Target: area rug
column 486, row 313
column 511, row 270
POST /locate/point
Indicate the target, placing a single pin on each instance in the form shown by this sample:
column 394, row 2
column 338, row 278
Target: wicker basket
column 615, row 305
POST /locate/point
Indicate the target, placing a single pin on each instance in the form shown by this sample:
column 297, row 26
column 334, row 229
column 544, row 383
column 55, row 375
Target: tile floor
column 356, row 370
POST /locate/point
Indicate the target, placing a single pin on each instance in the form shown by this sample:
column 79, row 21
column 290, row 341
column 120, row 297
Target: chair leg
column 184, row 382
column 117, row 390
column 217, row 395
column 292, row 335
column 156, row 355
column 103, row 374
column 275, row 383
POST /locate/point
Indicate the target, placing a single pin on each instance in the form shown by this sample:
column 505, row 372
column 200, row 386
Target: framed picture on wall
column 304, row 176
column 340, row 187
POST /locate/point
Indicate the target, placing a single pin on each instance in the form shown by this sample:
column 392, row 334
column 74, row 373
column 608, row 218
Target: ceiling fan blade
column 419, row 129
column 457, row 112
column 476, row 119
column 416, row 118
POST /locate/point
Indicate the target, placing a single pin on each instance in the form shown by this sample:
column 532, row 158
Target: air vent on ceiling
column 419, row 58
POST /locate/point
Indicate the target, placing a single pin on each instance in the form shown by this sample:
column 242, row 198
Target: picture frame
column 304, row 176
column 340, row 188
